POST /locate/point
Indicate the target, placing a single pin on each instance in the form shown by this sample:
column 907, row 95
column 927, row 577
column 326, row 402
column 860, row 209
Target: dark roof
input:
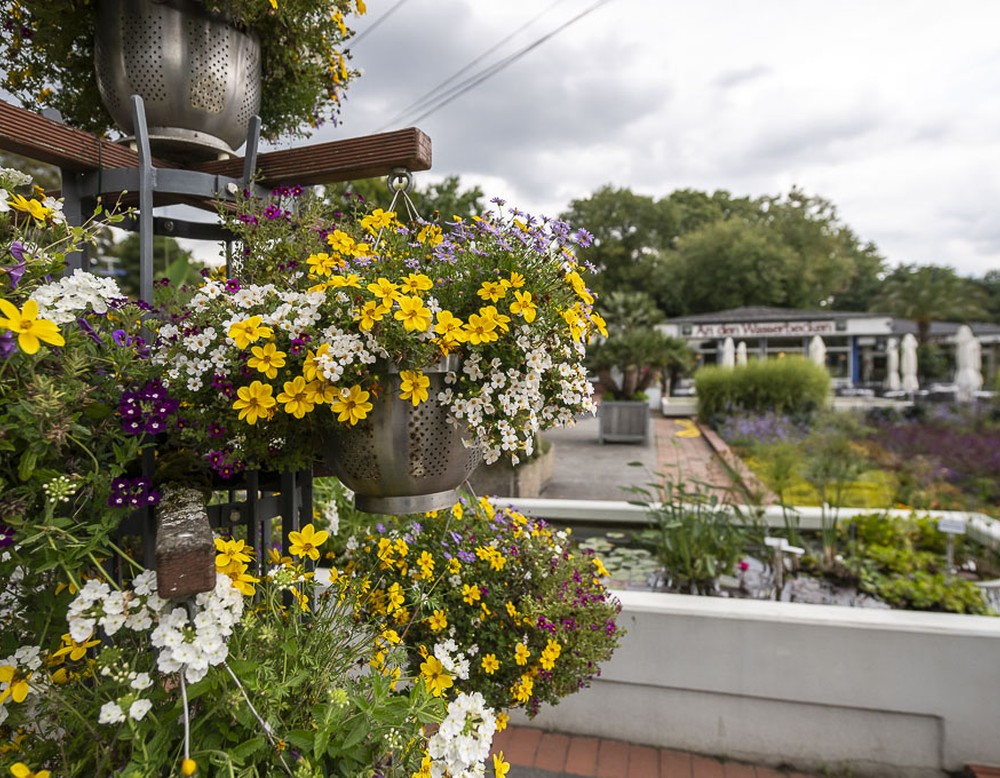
column 945, row 329
column 765, row 313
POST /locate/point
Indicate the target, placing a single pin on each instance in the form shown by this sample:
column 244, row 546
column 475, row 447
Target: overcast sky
column 888, row 108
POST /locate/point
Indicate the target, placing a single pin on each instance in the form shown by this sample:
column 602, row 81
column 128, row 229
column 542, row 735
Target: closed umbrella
column 892, row 382
column 968, row 362
column 908, row 363
column 817, row 351
column 728, row 353
column 741, row 353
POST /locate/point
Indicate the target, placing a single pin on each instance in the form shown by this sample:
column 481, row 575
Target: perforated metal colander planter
column 401, row 458
column 198, row 75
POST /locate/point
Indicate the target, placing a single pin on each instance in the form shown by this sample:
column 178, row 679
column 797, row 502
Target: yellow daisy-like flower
column 500, row 766
column 371, row 312
column 492, row 290
column 323, row 264
column 435, row 677
column 21, row 770
column 351, row 405
column 249, row 331
column 29, row 328
column 17, row 683
column 430, row 234
column 426, row 565
column 574, row 280
column 491, row 313
column 352, row 280
column 598, row 321
column 524, row 688
column 416, row 316
column 416, row 282
column 321, row 392
column 524, row 306
column 341, row 242
column 295, row 397
column 521, row 654
column 231, row 552
column 602, row 571
column 306, row 542
column 550, row 654
column 437, row 621
column 266, row 359
column 502, row 719
column 470, row 594
column 516, row 280
column 72, row 650
column 413, row 386
column 480, row 329
column 490, row 664
column 33, row 208
column 254, row 402
column 378, row 220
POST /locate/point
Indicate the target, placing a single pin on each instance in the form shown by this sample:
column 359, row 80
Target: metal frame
column 257, row 499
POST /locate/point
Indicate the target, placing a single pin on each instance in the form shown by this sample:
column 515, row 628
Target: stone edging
column 751, row 483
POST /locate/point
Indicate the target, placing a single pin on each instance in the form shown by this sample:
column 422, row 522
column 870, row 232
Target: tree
column 43, row 174
column 929, row 293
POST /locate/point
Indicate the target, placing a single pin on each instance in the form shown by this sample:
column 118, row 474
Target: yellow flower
column 243, row 582
column 470, row 594
column 490, row 664
column 351, row 405
column 430, row 234
column 516, row 281
column 360, row 5
column 21, row 770
column 371, row 312
column 254, row 402
column 310, row 368
column 438, row 621
column 435, row 677
column 341, row 242
column 523, row 688
column 416, row 316
column 523, row 306
column 454, row 566
column 396, row 598
column 413, row 386
column 320, row 392
column 491, row 313
column 72, row 650
column 266, row 359
column 378, row 220
column 351, row 279
column 480, row 330
column 500, row 767
column 550, row 654
column 231, row 552
column 426, row 565
column 602, row 571
column 457, row 510
column 574, row 280
column 295, row 397
column 502, row 719
column 307, row 541
column 511, row 610
column 323, row 264
column 189, row 766
column 249, row 331
column 492, row 290
column 17, row 683
column 416, row 282
column 449, row 328
column 521, row 654
column 34, row 208
column 29, row 328
column 598, row 321
column 274, row 5
column 572, row 317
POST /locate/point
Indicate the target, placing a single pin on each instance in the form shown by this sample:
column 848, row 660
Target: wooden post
column 185, row 546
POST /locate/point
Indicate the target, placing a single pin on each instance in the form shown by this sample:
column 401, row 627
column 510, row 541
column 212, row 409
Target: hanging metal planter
column 198, row 75
column 403, row 458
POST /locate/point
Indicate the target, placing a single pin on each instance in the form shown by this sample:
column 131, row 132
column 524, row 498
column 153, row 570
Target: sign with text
column 764, row 329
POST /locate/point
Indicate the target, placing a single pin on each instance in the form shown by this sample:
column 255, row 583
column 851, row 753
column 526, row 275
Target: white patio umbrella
column 741, row 353
column 817, row 351
column 968, row 363
column 908, row 363
column 892, row 365
column 728, row 353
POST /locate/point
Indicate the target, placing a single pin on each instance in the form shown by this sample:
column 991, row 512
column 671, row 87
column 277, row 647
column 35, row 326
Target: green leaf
column 241, row 752
column 27, row 464
column 358, row 731
column 302, row 739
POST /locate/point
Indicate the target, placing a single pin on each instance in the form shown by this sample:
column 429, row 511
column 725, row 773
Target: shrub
column 793, row 386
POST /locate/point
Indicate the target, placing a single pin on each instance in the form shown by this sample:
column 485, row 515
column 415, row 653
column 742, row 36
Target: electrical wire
column 470, row 83
column 361, row 36
column 426, row 96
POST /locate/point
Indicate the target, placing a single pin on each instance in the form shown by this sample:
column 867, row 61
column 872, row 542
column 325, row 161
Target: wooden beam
column 339, row 160
column 34, row 136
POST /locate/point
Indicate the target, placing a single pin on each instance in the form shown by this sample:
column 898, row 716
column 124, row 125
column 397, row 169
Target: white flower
column 139, row 708
column 111, row 713
column 141, row 681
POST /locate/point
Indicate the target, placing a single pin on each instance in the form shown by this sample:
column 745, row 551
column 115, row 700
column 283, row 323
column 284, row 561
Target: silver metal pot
column 198, row 75
column 401, row 458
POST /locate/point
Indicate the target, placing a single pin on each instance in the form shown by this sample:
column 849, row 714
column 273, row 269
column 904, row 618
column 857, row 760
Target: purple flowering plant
column 67, row 461
column 489, row 599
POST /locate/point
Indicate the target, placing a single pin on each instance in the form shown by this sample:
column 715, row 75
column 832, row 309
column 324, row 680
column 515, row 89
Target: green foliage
column 692, row 533
column 902, row 563
column 793, row 386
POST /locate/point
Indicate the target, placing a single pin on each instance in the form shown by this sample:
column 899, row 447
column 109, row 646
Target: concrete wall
column 871, row 693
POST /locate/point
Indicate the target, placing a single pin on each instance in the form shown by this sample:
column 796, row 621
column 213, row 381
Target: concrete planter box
column 816, row 687
column 525, row 480
column 623, row 421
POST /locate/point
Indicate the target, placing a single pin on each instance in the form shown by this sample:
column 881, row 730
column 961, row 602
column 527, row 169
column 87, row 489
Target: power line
column 376, row 23
column 431, row 93
column 470, row 83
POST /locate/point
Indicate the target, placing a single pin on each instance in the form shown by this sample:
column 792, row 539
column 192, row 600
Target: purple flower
column 6, row 535
column 233, row 285
column 89, row 331
column 7, row 345
column 15, row 272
